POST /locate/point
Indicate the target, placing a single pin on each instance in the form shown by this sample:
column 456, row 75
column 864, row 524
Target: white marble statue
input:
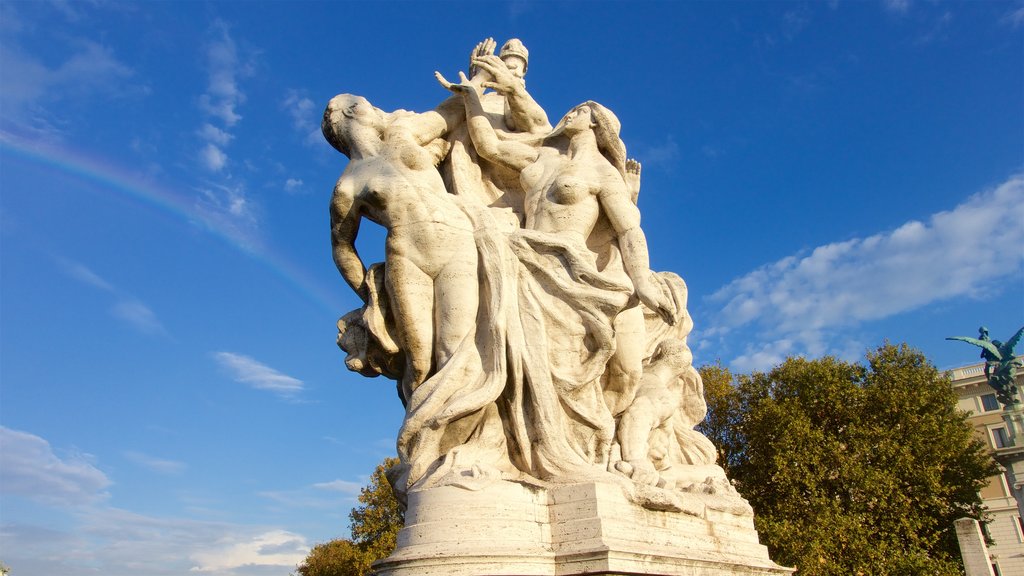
column 549, row 391
column 517, row 349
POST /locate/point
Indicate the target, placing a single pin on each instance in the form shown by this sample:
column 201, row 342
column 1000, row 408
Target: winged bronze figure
column 1000, row 363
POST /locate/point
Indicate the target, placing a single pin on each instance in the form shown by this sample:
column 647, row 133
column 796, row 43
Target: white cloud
column 799, row 304
column 215, row 135
column 258, row 375
column 31, row 469
column 305, row 116
column 126, row 308
column 897, row 6
column 116, row 542
column 213, row 158
column 138, row 315
column 664, row 155
column 342, row 486
column 227, row 209
column 293, row 185
column 159, row 465
column 274, row 548
column 85, row 275
column 38, row 98
column 302, row 110
column 1015, row 17
column 224, row 67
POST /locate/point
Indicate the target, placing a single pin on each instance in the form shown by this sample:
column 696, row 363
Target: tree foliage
column 374, row 525
column 851, row 469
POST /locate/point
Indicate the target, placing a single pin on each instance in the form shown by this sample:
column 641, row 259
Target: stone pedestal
column 511, row 529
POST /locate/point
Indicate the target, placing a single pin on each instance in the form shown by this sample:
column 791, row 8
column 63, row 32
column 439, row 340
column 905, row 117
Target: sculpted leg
column 625, row 369
column 634, row 433
column 412, row 296
column 457, row 294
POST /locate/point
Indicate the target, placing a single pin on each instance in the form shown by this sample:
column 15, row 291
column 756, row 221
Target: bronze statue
column 1000, row 363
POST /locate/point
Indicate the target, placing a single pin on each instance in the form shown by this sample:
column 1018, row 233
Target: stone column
column 972, row 548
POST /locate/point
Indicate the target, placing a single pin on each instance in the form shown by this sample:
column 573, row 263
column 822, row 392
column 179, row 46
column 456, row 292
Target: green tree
column 374, row 525
column 853, row 469
column 722, row 422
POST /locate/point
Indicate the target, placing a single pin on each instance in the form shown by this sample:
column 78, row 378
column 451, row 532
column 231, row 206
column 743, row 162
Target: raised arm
column 633, row 179
column 625, row 219
column 423, row 127
column 526, row 114
column 508, row 153
column 345, row 220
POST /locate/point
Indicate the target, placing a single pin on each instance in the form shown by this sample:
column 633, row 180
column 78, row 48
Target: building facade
column 996, row 428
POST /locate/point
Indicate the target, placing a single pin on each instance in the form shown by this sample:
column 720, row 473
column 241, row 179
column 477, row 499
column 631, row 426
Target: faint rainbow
column 113, row 177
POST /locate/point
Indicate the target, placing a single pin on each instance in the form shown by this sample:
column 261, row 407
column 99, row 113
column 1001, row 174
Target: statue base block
column 512, row 529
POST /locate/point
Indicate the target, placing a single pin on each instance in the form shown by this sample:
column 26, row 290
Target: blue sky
column 824, row 175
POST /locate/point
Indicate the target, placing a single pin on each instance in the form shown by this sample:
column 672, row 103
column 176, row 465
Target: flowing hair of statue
column 606, row 129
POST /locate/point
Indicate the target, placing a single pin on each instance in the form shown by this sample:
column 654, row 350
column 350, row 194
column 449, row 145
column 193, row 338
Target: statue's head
column 983, row 333
column 342, row 111
column 593, row 116
column 515, row 56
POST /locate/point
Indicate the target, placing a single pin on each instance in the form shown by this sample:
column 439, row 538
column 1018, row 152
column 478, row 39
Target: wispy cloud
column 224, row 66
column 138, row 315
column 98, row 538
column 305, row 116
column 117, row 542
column 258, row 375
column 213, row 158
column 223, row 201
column 126, row 307
column 343, row 486
column 275, row 548
column 799, row 304
column 214, row 135
column 293, row 185
column 222, row 97
column 664, row 155
column 897, row 6
column 36, row 95
column 1015, row 17
column 336, row 494
column 86, row 276
column 159, row 465
column 32, row 470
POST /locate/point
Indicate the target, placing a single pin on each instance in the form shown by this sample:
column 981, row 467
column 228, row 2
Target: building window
column 1000, row 439
column 1019, row 524
column 989, row 403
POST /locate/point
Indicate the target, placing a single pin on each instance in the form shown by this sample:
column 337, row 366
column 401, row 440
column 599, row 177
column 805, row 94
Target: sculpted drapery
column 515, row 307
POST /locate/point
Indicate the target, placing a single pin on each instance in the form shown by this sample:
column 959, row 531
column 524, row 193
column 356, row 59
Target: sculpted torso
column 562, row 194
column 430, row 258
column 404, row 199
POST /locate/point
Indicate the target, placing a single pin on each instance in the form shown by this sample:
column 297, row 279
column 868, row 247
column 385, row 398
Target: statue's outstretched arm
column 625, row 218
column 508, row 153
column 421, row 128
column 527, row 115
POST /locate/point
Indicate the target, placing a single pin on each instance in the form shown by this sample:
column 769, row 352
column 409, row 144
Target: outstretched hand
column 633, row 178
column 633, row 167
column 656, row 300
column 504, row 81
column 464, row 87
column 484, row 48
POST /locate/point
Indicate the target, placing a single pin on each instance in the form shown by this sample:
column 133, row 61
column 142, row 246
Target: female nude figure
column 430, row 259
column 570, row 192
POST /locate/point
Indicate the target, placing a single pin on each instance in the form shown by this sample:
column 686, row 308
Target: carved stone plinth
column 509, row 529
